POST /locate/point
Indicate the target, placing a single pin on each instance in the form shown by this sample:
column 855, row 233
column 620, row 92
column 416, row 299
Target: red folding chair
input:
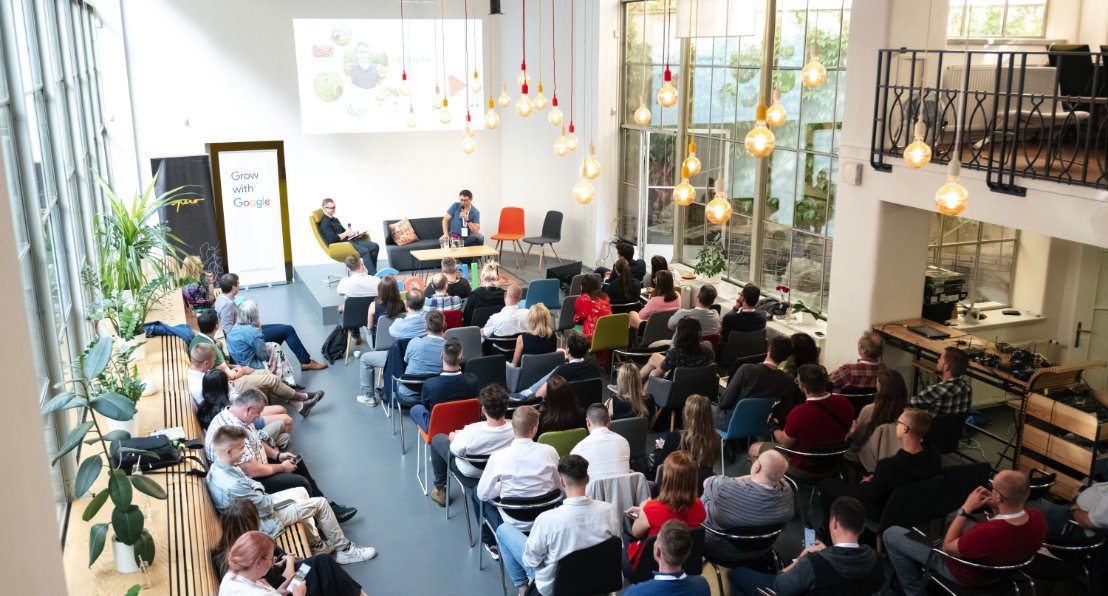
column 445, row 419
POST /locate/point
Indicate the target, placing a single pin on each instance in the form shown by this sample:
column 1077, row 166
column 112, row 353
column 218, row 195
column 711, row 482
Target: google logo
column 259, row 203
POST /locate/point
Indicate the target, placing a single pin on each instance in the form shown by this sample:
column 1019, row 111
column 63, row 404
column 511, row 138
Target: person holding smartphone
column 252, row 557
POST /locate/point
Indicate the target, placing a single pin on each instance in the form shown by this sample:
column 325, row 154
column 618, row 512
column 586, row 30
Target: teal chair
column 563, row 441
column 546, row 291
column 748, row 421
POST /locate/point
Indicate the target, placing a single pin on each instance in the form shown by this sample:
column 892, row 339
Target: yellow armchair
column 338, row 251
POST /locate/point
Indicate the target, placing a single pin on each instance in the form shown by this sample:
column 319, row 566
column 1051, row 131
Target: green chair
column 610, row 333
column 338, row 251
column 563, row 441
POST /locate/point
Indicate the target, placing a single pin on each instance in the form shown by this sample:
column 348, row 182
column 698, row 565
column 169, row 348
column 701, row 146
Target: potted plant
column 121, row 376
column 132, row 543
column 711, row 260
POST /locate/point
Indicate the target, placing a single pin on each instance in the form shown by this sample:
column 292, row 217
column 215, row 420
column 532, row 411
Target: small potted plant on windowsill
column 711, row 260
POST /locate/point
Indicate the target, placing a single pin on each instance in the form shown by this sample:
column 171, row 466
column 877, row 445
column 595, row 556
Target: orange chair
column 445, row 419
column 414, row 282
column 511, row 228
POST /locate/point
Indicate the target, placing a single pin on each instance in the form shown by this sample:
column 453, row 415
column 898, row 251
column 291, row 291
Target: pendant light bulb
column 667, row 95
column 918, row 153
column 555, row 116
column 444, row 113
column 692, row 162
column 540, row 102
column 684, row 193
column 412, row 121
column 405, row 85
column 571, row 139
column 504, row 100
column 524, row 107
column 583, row 192
column 760, row 140
column 560, row 148
column 469, row 144
column 776, row 115
column 524, row 78
column 492, row 119
column 590, row 168
column 475, row 84
column 952, row 197
column 813, row 74
column 436, row 101
column 642, row 114
column 718, row 210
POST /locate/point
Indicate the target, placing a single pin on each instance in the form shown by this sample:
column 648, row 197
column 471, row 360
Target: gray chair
column 568, row 310
column 742, row 347
column 470, row 338
column 487, row 369
column 575, row 283
column 588, row 392
column 634, row 430
column 382, row 338
column 657, row 330
column 551, row 234
column 692, row 380
column 532, row 368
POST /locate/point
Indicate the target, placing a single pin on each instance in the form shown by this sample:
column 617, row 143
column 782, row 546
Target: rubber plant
column 88, row 392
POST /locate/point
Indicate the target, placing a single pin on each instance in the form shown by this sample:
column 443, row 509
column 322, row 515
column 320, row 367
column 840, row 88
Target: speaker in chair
column 564, row 274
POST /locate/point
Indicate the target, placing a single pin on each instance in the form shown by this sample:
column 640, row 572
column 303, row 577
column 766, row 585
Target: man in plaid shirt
column 952, row 394
column 862, row 373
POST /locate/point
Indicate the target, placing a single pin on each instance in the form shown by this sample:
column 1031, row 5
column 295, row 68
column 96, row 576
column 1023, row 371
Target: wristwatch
column 964, row 513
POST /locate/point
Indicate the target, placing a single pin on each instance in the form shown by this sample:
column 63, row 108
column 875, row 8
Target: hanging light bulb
column 412, row 121
column 813, row 74
column 475, row 84
column 504, row 100
column 952, row 197
column 405, row 85
column 555, row 116
column 684, row 193
column 524, row 107
column 692, row 162
column 667, row 95
column 571, row 139
column 492, row 119
column 469, row 144
column 718, row 210
column 540, row 99
column 583, row 192
column 436, row 101
column 444, row 113
column 590, row 168
column 524, row 78
column 642, row 114
column 560, row 148
column 776, row 114
column 760, row 140
column 918, row 153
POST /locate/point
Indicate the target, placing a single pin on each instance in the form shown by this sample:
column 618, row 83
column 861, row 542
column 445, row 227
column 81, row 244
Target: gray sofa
column 428, row 230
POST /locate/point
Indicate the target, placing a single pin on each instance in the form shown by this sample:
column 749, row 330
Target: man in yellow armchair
column 332, row 231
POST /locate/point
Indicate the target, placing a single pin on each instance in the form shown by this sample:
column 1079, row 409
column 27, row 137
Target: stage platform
column 312, row 282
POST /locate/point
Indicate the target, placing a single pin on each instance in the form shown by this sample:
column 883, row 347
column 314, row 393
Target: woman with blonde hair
column 488, row 294
column 196, row 285
column 678, row 499
column 698, row 438
column 628, row 399
column 539, row 337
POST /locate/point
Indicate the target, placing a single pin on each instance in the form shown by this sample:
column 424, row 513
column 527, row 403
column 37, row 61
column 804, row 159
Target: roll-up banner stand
column 191, row 217
column 251, row 207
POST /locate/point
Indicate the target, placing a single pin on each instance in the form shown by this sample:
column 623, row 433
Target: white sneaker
column 355, row 554
column 368, row 400
column 357, row 353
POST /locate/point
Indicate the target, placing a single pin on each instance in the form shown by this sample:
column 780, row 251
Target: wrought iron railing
column 1037, row 115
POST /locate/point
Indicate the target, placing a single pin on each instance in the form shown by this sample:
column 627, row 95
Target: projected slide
column 349, row 73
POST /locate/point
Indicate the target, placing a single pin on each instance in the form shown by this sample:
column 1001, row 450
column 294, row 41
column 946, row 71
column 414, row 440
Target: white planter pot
column 129, row 426
column 148, row 387
column 124, row 557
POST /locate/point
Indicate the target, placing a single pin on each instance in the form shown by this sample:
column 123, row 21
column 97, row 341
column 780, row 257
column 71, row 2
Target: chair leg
column 722, row 472
column 346, row 355
column 672, row 419
column 542, row 253
column 719, row 578
column 555, row 253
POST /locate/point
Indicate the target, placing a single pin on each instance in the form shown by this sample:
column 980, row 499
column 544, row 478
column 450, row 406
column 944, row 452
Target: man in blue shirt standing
column 462, row 219
column 671, row 548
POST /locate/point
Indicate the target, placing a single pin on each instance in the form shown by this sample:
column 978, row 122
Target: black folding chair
column 355, row 316
column 755, row 541
column 590, row 571
column 694, row 563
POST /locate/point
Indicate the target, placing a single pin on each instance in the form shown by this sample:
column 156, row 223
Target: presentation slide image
column 349, row 73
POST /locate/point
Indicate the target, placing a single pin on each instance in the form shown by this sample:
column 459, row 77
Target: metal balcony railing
column 1038, row 115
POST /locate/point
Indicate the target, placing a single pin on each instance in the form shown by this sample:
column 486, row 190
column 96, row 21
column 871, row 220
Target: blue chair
column 464, row 269
column 546, row 291
column 748, row 421
column 387, row 271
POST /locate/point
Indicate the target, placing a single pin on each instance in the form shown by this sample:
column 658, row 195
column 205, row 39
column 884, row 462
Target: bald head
column 512, row 294
column 1013, row 487
column 769, row 468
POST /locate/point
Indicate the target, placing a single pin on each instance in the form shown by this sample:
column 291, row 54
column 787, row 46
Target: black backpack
column 151, row 453
column 334, row 347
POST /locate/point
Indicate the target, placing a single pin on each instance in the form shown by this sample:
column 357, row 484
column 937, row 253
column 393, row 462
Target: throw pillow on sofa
column 402, row 232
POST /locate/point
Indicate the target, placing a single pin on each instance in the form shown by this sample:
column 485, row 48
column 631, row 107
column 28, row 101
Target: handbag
column 279, row 364
column 150, row 453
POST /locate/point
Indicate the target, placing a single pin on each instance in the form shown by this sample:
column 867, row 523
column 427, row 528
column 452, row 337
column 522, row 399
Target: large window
column 996, row 18
column 793, row 239
column 984, row 252
column 52, row 138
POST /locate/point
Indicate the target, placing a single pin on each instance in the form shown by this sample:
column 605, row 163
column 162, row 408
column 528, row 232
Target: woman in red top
column 591, row 304
column 677, row 499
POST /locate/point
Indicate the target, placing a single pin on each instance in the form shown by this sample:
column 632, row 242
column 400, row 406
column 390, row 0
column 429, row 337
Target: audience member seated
column 249, row 348
column 743, row 317
column 698, row 439
column 687, row 351
column 388, row 304
column 489, row 293
column 276, row 333
column 326, row 578
column 511, row 320
column 820, row 422
column 912, row 463
column 762, row 498
column 844, row 568
column 560, row 409
column 703, row 311
column 607, row 453
column 663, row 296
column 478, row 439
column 456, row 284
column 761, row 380
column 622, row 286
column 1089, row 510
column 227, row 481
column 423, row 356
column 671, row 548
column 888, row 403
column 539, row 337
column 218, row 392
column 463, row 220
column 628, row 399
column 658, row 263
column 332, row 231
column 637, row 267
column 1010, row 537
column 442, row 299
column 197, row 288
column 592, row 304
column 522, row 469
column 805, row 351
column 676, row 500
column 579, row 366
column 863, row 373
column 450, row 385
column 358, row 283
column 274, row 469
column 411, row 326
column 579, row 523
column 202, row 358
column 953, row 393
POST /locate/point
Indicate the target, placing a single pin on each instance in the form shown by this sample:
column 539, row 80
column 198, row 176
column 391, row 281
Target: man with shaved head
column 511, row 320
column 1010, row 537
column 760, row 499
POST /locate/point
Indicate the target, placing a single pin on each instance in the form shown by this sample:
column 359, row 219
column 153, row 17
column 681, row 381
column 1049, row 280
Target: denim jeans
column 512, row 543
column 371, row 361
column 278, row 334
column 746, row 581
column 908, row 557
column 368, row 251
column 492, row 516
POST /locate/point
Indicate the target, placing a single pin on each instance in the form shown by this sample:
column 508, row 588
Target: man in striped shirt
column 761, row 499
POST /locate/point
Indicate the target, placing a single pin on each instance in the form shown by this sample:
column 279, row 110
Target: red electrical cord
column 572, row 62
column 554, row 51
column 523, row 65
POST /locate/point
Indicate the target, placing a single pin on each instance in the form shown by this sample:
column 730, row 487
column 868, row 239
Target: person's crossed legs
column 280, row 333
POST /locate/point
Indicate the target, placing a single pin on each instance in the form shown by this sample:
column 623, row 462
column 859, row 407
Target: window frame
column 962, row 35
column 935, row 252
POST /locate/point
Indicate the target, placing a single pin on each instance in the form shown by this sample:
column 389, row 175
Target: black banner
column 192, row 216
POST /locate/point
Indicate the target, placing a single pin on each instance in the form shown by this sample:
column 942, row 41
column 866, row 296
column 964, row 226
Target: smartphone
column 297, row 459
column 809, row 537
column 301, row 573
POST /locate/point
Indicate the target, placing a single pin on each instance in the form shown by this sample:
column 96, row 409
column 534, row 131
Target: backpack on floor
column 334, row 347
